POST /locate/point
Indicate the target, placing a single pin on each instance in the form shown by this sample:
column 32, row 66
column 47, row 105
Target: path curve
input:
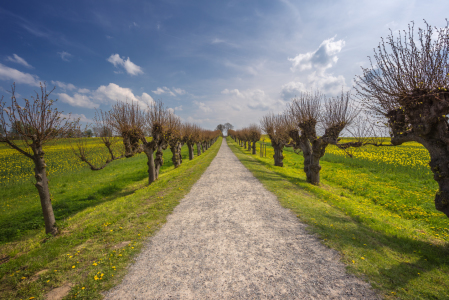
column 229, row 238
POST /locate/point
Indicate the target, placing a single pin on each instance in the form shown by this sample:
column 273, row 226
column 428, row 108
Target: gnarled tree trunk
column 278, row 157
column 180, row 155
column 149, row 150
column 191, row 154
column 198, row 149
column 158, row 161
column 40, row 173
column 254, row 147
column 174, row 148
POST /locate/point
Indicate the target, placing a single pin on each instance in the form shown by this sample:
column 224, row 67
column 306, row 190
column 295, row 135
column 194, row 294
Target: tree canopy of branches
column 221, row 127
column 407, row 87
column 276, row 126
column 307, row 114
column 35, row 123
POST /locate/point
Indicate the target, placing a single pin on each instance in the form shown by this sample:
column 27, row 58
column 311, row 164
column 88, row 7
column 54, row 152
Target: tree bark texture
column 191, row 154
column 149, row 150
column 174, row 148
column 278, row 157
column 198, row 149
column 254, row 147
column 158, row 161
column 40, row 173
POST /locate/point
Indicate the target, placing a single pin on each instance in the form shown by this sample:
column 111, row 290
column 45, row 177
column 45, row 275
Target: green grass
column 97, row 212
column 384, row 225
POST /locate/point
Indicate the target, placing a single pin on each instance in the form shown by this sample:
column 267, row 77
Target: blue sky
column 210, row 61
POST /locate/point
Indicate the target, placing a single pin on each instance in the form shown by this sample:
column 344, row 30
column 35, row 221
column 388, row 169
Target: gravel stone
column 229, row 238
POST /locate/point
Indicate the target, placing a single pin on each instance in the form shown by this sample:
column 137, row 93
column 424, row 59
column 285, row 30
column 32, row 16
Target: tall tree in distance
column 408, row 88
column 228, row 126
column 220, row 127
column 35, row 122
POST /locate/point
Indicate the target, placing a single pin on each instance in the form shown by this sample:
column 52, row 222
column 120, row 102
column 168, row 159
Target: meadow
column 103, row 218
column 376, row 209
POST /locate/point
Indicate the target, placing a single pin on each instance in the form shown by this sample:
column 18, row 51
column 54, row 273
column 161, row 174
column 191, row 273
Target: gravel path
column 229, row 238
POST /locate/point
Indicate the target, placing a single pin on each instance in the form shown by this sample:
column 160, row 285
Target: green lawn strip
column 375, row 243
column 97, row 243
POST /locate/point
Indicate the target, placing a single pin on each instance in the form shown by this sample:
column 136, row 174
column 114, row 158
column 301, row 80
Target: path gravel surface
column 229, row 238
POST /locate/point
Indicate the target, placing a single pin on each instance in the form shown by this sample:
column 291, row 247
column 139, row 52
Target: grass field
column 103, row 217
column 379, row 216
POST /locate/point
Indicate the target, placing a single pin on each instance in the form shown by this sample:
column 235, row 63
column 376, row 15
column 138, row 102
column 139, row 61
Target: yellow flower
column 73, row 267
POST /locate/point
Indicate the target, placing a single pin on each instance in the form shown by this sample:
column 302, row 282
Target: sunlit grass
column 104, row 217
column 384, row 224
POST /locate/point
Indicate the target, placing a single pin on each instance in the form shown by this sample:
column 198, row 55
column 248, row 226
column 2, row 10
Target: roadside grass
column 362, row 215
column 104, row 219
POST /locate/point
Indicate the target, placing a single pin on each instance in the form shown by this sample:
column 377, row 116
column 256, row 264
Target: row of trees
column 28, row 126
column 405, row 91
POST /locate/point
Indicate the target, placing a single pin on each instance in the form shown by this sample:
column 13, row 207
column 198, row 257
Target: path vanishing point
column 229, row 238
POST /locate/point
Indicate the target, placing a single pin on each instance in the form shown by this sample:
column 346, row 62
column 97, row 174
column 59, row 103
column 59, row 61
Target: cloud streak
column 127, row 64
column 17, row 59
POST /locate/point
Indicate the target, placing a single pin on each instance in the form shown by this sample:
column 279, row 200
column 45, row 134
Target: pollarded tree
column 276, row 126
column 190, row 136
column 254, row 136
column 174, row 136
column 40, row 123
column 408, row 85
column 104, row 130
column 221, row 127
column 307, row 113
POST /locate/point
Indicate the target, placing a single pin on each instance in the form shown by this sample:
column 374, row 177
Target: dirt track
column 230, row 239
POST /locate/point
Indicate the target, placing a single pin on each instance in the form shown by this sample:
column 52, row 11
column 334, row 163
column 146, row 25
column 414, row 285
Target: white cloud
column 129, row 66
column 83, row 91
column 114, row 92
column 179, row 108
column 255, row 99
column 19, row 60
column 65, row 55
column 164, row 90
column 64, row 86
column 292, row 89
column 77, row 100
column 322, row 58
column 202, row 106
column 81, row 117
column 179, row 91
column 171, row 110
column 7, row 73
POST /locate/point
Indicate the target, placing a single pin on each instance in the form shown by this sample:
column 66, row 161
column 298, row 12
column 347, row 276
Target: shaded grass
column 98, row 241
column 401, row 257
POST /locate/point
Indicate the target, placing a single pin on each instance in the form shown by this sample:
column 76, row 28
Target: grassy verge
column 400, row 255
column 97, row 240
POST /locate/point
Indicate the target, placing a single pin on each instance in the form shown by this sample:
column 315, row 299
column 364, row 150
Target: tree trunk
column 439, row 164
column 175, row 157
column 180, row 155
column 249, row 146
column 278, row 157
column 149, row 150
column 40, row 173
column 198, row 149
column 158, row 161
column 254, row 147
column 191, row 154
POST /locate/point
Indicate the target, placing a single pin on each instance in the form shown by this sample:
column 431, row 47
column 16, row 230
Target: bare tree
column 407, row 87
column 174, row 137
column 35, row 123
column 254, row 134
column 306, row 112
column 102, row 129
column 191, row 132
column 276, row 127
